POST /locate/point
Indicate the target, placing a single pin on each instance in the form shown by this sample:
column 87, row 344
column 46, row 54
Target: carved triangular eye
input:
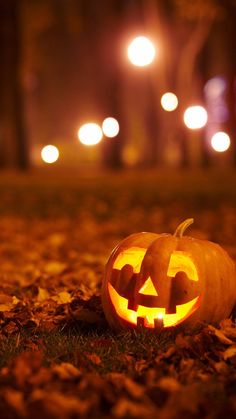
column 148, row 288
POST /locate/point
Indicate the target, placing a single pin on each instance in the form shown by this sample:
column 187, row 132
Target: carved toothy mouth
column 151, row 317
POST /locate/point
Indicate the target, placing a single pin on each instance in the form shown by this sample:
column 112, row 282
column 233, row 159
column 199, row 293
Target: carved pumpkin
column 163, row 280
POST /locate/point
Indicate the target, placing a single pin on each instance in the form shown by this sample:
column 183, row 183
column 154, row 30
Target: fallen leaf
column 94, row 358
column 169, row 384
column 15, row 399
column 66, row 371
column 134, row 389
column 7, row 302
column 220, row 335
column 229, row 352
column 125, row 408
column 59, row 405
column 54, row 268
column 62, row 297
column 42, row 295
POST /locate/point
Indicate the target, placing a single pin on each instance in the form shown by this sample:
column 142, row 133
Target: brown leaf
column 220, row 335
column 11, row 327
column 140, row 365
column 15, row 399
column 169, row 384
column 228, row 328
column 127, row 408
column 221, row 367
column 229, row 352
column 87, row 316
column 24, row 364
column 40, row 377
column 66, row 371
column 94, row 358
column 134, row 389
column 182, row 341
column 167, row 354
column 59, row 405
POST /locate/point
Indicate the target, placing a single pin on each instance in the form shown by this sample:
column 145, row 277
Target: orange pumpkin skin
column 163, row 280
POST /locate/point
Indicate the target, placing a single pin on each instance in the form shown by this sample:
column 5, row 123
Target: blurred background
column 117, row 83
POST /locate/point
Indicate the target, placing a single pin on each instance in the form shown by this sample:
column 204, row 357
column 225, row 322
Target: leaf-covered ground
column 58, row 357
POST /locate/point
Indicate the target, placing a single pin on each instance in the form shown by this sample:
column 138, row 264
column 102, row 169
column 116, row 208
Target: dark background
column 64, row 62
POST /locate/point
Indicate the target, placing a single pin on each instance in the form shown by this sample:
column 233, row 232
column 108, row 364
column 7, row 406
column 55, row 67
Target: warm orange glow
column 110, row 127
column 90, row 134
column 132, row 256
column 195, row 117
column 151, row 314
column 141, row 51
column 220, row 141
column 50, row 154
column 181, row 261
column 169, row 102
column 148, row 288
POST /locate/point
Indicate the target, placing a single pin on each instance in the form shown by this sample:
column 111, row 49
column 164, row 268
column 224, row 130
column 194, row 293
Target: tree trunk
column 14, row 150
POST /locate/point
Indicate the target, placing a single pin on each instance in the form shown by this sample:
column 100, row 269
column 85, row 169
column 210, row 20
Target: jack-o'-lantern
column 162, row 280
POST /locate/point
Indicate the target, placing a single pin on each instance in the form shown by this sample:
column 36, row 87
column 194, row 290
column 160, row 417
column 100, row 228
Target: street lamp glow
column 220, row 141
column 141, row 51
column 169, row 101
column 110, row 127
column 195, row 117
column 50, row 154
column 90, row 134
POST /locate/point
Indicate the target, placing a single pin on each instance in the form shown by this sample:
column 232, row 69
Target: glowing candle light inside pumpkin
column 169, row 101
column 156, row 281
column 195, row 117
column 220, row 141
column 50, row 154
column 110, row 127
column 141, row 51
column 90, row 134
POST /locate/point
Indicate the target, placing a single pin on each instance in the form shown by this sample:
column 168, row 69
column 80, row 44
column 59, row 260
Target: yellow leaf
column 54, row 268
column 42, row 295
column 62, row 298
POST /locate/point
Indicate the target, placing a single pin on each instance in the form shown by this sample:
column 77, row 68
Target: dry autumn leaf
column 43, row 294
column 229, row 352
column 54, row 268
column 220, row 335
column 66, row 371
column 59, row 358
column 15, row 399
column 62, row 297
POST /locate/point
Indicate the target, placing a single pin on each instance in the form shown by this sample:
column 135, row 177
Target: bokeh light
column 215, row 86
column 215, row 92
column 169, row 101
column 195, row 117
column 110, row 127
column 220, row 141
column 141, row 51
column 50, row 154
column 90, row 134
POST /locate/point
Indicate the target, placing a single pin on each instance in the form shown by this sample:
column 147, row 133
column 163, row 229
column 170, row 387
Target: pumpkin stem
column 182, row 227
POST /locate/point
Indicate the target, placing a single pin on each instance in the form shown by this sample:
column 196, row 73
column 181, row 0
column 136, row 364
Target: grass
column 76, row 346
